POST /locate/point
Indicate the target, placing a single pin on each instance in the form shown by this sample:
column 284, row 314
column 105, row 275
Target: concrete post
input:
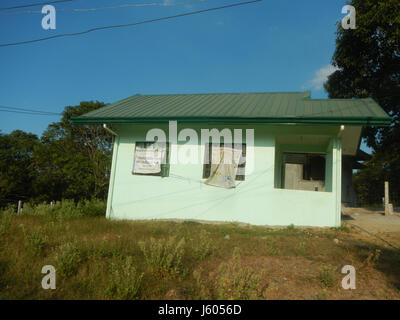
column 390, row 209
column 19, row 207
column 387, row 198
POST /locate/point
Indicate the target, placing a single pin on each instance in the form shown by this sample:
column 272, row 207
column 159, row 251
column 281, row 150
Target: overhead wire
column 218, row 199
column 128, row 24
column 35, row 4
column 27, row 111
column 127, row 5
column 30, row 113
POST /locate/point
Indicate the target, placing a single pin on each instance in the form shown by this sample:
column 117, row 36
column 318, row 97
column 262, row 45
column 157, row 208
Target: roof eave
column 370, row 121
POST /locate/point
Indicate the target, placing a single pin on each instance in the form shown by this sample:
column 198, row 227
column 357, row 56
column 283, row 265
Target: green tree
column 68, row 162
column 17, row 171
column 74, row 161
column 368, row 59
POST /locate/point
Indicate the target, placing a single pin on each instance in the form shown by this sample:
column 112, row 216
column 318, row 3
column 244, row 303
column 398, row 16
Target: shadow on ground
column 384, row 259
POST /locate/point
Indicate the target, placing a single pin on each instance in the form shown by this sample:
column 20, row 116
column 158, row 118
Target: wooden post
column 387, row 198
column 19, row 207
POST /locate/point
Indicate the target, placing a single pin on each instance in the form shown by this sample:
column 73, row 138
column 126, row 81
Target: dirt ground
column 383, row 228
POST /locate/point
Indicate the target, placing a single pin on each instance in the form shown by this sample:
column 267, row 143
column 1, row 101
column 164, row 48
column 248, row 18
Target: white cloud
column 321, row 75
column 172, row 3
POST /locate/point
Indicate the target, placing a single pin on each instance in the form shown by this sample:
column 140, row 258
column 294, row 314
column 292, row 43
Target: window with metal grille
column 240, row 174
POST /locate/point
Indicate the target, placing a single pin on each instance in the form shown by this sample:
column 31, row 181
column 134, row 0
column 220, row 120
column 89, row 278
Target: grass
column 96, row 258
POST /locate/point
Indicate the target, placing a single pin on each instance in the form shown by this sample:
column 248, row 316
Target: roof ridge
column 341, row 99
column 221, row 93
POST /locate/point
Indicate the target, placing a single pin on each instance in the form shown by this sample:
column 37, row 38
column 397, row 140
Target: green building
column 287, row 150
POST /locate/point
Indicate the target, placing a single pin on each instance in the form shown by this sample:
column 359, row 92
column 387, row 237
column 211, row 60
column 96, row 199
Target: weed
column 35, row 241
column 203, row 248
column 5, row 223
column 202, row 290
column 327, row 276
column 104, row 250
column 3, row 269
column 92, row 208
column 343, row 227
column 94, row 261
column 42, row 209
column 321, row 295
column 68, row 259
column 372, row 258
column 65, row 209
column 124, row 282
column 164, row 255
column 301, row 249
column 272, row 250
column 290, row 227
column 190, row 222
column 237, row 282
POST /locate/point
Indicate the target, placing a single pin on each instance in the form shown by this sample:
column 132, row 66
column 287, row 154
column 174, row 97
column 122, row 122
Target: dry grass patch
column 97, row 258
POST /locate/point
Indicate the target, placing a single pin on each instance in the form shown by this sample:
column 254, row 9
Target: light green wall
column 183, row 195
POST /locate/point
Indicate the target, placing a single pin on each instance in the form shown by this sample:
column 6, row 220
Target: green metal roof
column 262, row 107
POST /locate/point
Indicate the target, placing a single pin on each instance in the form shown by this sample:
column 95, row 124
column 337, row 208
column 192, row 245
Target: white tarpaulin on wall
column 149, row 157
column 223, row 173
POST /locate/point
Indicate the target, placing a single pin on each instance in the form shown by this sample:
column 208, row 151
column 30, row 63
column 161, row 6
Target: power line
column 31, row 113
column 27, row 111
column 128, row 24
column 128, row 5
column 30, row 110
column 35, row 4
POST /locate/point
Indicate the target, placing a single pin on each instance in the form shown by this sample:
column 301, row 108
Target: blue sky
column 280, row 45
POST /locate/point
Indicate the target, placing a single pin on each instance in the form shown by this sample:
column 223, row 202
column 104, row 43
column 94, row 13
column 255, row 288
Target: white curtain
column 224, row 165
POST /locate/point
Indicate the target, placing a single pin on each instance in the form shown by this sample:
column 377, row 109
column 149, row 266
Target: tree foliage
column 69, row 161
column 17, row 172
column 368, row 59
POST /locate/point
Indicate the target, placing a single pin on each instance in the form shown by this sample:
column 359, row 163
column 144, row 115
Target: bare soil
column 385, row 229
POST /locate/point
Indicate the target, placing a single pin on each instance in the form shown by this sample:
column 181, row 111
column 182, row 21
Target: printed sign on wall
column 149, row 157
